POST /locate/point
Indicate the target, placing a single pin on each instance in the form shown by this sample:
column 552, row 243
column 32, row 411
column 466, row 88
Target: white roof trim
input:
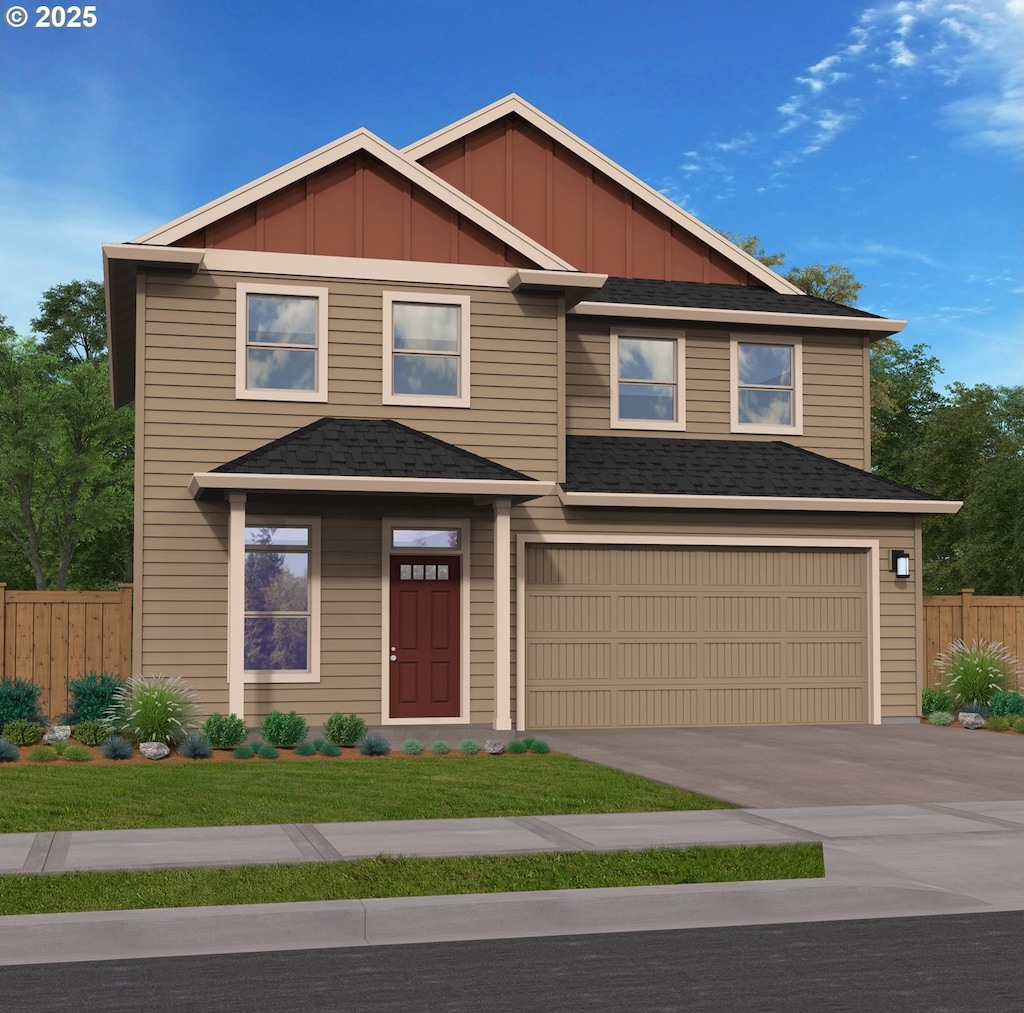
column 527, row 278
column 220, row 480
column 514, row 104
column 724, row 316
column 359, row 140
column 805, row 503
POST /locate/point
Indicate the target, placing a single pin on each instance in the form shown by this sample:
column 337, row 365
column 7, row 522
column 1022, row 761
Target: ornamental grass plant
column 975, row 672
column 154, row 709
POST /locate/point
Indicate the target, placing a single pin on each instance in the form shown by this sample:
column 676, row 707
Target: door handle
column 394, row 657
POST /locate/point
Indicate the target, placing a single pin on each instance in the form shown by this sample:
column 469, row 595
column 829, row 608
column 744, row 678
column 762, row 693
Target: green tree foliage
column 65, row 455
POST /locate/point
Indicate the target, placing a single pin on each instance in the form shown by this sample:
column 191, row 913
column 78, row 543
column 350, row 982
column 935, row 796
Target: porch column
column 236, row 604
column 502, row 615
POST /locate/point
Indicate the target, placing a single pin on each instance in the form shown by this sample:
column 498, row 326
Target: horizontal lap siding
column 834, row 409
column 190, row 420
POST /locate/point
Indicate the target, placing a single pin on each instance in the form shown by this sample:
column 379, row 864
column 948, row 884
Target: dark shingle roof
column 373, row 448
column 688, row 467
column 644, row 292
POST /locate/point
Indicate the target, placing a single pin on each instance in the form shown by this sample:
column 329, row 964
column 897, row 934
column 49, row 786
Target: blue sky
column 887, row 137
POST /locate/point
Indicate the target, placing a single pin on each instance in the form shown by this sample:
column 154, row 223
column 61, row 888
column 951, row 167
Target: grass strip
column 390, row 876
column 141, row 796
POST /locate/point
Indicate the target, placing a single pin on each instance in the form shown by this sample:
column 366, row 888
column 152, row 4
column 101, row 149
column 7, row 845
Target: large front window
column 278, row 598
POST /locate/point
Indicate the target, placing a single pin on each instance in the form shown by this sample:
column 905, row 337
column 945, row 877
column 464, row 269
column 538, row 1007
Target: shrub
column 8, row 751
column 43, row 754
column 469, row 746
column 975, row 673
column 328, row 748
column 935, row 700
column 539, row 746
column 77, row 754
column 153, row 709
column 344, row 729
column 412, row 747
column 305, row 749
column 441, row 747
column 1004, row 704
column 23, row 733
column 116, row 747
column 516, row 746
column 195, row 746
column 284, row 729
column 265, row 751
column 373, row 745
column 244, row 753
column 60, row 748
column 998, row 723
column 225, row 731
column 940, row 718
column 91, row 696
column 528, row 741
column 19, row 701
column 1017, row 723
column 92, row 732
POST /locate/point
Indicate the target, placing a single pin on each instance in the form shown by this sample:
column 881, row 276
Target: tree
column 65, row 454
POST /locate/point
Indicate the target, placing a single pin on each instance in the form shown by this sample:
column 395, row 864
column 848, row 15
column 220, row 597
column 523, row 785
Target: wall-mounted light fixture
column 901, row 564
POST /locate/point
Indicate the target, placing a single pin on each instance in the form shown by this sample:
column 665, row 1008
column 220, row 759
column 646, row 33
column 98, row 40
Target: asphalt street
column 946, row 964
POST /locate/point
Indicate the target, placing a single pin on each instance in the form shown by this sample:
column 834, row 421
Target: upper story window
column 647, row 381
column 767, row 386
column 426, row 349
column 282, row 343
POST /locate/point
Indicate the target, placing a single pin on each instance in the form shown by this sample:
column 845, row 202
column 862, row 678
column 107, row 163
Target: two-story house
column 489, row 430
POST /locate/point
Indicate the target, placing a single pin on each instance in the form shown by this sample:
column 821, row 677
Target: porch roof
column 366, row 456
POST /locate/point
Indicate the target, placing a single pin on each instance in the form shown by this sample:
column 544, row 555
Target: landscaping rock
column 154, row 750
column 58, row 733
column 494, row 747
column 969, row 720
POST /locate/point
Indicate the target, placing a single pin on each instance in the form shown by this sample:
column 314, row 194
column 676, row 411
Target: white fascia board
column 202, row 480
column 564, row 280
column 804, row 503
column 359, row 140
column 758, row 318
column 176, row 256
column 515, row 104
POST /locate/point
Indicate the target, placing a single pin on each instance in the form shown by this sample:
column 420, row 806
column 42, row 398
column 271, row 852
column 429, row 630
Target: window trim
column 795, row 342
column 243, row 290
column 678, row 424
column 462, row 399
column 311, row 674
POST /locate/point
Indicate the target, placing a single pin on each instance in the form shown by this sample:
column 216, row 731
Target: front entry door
column 425, row 642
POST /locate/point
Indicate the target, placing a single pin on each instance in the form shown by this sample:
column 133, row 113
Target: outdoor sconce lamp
column 901, row 564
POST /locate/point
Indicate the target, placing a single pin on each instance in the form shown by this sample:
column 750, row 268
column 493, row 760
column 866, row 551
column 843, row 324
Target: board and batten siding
column 900, row 609
column 189, row 420
column 835, row 410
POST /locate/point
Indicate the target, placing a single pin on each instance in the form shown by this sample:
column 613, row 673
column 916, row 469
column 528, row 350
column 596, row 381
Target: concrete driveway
column 778, row 766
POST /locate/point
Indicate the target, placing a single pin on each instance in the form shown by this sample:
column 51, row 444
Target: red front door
column 425, row 643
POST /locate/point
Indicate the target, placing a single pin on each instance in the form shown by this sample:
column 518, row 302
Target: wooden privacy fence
column 48, row 637
column 966, row 616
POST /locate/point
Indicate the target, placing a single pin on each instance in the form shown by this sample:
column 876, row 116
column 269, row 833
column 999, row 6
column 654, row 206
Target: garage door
column 643, row 636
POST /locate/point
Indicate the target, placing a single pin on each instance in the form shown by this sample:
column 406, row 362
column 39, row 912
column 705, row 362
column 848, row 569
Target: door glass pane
column 430, row 571
column 442, row 571
column 417, row 572
column 405, row 571
column 424, row 327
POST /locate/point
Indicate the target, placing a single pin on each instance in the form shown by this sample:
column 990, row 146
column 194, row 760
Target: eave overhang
column 205, row 481
column 877, row 326
column 803, row 503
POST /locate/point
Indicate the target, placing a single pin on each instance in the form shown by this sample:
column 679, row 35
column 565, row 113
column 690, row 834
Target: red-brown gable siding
column 566, row 205
column 357, row 208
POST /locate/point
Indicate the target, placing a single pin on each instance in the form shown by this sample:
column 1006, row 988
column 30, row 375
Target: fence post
column 967, row 623
column 3, row 624
column 125, row 648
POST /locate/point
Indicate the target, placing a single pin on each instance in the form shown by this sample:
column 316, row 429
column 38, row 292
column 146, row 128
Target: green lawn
column 112, row 797
column 403, row 877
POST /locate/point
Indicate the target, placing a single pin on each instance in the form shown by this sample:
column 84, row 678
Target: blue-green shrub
column 225, row 731
column 265, row 751
column 373, row 745
column 328, row 749
column 516, row 746
column 469, row 746
column 244, row 753
column 441, row 747
column 90, row 696
column 195, row 746
column 19, row 701
column 344, row 729
column 8, row 751
column 117, row 747
column 1005, row 704
column 412, row 747
column 305, row 749
column 940, row 718
column 539, row 746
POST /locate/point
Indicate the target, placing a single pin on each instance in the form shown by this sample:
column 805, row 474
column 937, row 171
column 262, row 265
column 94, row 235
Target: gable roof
column 514, row 104
column 738, row 474
column 360, row 140
column 370, row 456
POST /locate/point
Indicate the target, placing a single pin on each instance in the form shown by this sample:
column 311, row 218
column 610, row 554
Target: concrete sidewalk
column 880, row 861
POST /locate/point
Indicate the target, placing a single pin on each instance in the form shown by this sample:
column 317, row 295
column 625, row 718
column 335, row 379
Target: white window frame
column 462, row 399
column 796, row 426
column 244, row 290
column 678, row 424
column 388, row 524
column 311, row 674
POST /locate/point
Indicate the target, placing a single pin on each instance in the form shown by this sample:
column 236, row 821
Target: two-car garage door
column 620, row 636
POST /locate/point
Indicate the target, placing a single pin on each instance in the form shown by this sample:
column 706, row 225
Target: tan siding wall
column 834, row 408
